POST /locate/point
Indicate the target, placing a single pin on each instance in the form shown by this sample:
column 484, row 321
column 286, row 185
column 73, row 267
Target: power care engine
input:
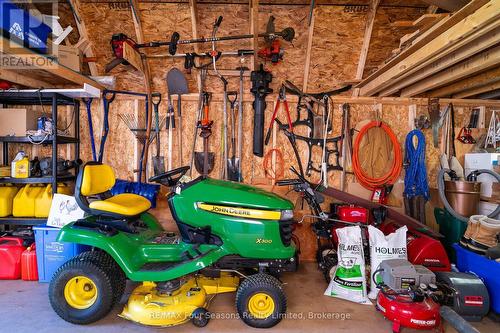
column 413, row 296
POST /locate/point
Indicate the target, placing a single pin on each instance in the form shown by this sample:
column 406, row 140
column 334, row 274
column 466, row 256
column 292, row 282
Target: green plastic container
column 451, row 228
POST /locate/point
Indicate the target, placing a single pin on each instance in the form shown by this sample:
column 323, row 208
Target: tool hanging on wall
column 201, row 105
column 224, row 153
column 416, row 191
column 233, row 163
column 314, row 122
column 158, row 160
column 465, row 134
column 281, row 99
column 177, row 85
column 242, row 70
column 170, row 126
column 260, row 89
column 346, row 151
column 286, row 34
column 122, row 56
column 204, row 161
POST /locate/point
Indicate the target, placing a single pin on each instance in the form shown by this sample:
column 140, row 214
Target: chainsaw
column 117, row 41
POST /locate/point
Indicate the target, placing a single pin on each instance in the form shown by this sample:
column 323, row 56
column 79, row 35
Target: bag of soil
column 349, row 280
column 392, row 246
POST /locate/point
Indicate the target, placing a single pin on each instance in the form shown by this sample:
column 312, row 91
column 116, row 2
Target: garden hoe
column 204, row 161
column 177, row 85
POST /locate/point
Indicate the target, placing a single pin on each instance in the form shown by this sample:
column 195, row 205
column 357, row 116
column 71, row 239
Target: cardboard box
column 68, row 56
column 15, row 122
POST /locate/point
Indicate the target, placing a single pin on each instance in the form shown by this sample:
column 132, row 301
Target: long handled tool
column 232, row 162
column 287, row 34
column 158, row 160
column 204, row 161
column 170, row 125
column 201, row 105
column 177, row 85
column 240, row 122
column 224, row 154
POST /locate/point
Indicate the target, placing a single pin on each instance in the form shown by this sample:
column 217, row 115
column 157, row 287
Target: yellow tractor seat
column 123, row 204
column 93, row 194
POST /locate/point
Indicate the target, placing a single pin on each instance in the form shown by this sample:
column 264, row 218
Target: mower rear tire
column 107, row 263
column 261, row 301
column 81, row 292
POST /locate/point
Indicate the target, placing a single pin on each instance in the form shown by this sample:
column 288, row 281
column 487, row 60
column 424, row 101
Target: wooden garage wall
column 337, row 40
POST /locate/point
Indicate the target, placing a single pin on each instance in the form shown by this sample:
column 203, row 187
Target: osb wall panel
column 338, row 36
column 385, row 37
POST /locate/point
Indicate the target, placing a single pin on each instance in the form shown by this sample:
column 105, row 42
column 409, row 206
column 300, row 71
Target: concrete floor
column 24, row 307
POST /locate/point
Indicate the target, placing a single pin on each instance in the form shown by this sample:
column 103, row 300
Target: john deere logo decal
column 241, row 212
column 230, row 211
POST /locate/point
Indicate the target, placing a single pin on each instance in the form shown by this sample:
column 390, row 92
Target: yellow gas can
column 7, row 194
column 44, row 199
column 24, row 201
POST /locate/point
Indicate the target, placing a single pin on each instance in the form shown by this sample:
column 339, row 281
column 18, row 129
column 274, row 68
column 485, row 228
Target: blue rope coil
column 416, row 173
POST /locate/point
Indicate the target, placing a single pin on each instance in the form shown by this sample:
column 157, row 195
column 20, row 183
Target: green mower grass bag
column 349, row 281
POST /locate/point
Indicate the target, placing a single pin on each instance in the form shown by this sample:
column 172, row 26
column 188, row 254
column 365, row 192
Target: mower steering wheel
column 170, row 178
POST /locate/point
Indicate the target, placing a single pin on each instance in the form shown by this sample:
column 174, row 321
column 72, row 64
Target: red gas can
column 11, row 250
column 29, row 269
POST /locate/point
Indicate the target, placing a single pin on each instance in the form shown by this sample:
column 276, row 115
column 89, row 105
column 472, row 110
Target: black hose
column 442, row 196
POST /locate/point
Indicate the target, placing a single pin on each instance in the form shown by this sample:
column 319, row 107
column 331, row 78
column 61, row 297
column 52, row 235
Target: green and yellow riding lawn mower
column 232, row 237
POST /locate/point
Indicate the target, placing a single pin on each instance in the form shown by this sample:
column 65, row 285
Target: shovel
column 158, row 160
column 204, row 161
column 233, row 162
column 177, row 85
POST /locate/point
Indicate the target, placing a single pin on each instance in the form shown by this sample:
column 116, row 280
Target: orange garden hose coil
column 389, row 177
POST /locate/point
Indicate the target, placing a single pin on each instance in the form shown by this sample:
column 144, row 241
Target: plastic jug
column 44, row 199
column 7, row 194
column 24, row 201
column 20, row 166
column 29, row 268
column 11, row 249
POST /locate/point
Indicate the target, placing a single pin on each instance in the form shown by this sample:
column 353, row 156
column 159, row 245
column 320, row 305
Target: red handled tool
column 281, row 98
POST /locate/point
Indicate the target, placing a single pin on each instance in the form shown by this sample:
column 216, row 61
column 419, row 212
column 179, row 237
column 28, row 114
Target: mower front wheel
column 261, row 301
column 81, row 292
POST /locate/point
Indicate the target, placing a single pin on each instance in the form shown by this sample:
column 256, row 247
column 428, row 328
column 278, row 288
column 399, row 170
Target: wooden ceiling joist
column 363, row 55
column 310, row 36
column 448, row 32
column 136, row 16
column 254, row 30
column 479, row 80
column 476, row 45
column 84, row 42
column 479, row 90
column 478, row 63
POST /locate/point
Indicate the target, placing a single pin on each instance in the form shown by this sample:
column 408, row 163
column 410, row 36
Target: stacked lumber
column 454, row 55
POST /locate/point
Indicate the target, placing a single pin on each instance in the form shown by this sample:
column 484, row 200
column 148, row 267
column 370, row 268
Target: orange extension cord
column 392, row 175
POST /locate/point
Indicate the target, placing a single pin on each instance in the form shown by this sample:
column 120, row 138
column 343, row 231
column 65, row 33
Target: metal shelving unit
column 12, row 98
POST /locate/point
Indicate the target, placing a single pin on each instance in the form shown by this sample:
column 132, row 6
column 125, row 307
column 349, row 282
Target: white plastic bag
column 392, row 246
column 349, row 280
column 63, row 210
